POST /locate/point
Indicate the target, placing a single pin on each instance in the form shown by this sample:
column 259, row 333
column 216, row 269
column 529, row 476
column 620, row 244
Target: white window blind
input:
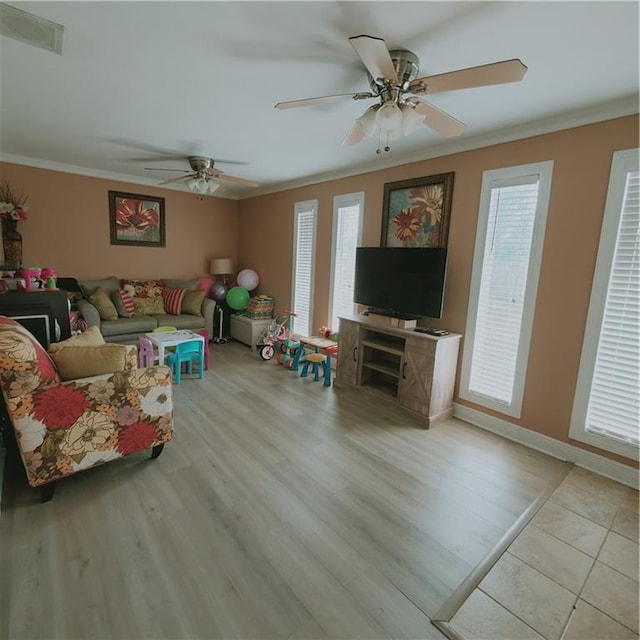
column 506, row 264
column 303, row 266
column 347, row 233
column 607, row 403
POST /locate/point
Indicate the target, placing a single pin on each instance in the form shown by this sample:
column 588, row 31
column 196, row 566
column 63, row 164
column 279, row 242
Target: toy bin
column 248, row 330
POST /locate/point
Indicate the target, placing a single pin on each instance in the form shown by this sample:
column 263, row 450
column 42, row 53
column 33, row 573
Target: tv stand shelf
column 389, row 346
column 387, row 370
column 415, row 370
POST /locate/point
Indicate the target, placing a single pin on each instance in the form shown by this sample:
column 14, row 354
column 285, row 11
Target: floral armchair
column 63, row 427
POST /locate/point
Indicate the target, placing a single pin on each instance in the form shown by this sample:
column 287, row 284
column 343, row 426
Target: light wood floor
column 281, row 509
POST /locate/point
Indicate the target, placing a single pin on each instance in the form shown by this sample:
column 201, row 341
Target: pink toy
column 30, row 277
column 49, row 277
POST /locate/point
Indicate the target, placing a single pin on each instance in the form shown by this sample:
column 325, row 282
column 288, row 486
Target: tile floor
column 571, row 574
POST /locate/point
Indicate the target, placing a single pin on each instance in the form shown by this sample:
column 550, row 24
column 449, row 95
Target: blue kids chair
column 186, row 352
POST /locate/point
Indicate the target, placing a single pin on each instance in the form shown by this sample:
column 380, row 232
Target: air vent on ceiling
column 31, row 29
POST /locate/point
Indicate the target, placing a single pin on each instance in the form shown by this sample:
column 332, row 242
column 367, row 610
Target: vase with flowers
column 12, row 210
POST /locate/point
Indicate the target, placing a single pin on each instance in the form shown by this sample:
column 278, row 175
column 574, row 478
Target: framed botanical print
column 136, row 220
column 415, row 213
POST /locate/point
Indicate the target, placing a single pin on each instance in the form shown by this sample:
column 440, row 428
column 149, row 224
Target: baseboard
column 561, row 450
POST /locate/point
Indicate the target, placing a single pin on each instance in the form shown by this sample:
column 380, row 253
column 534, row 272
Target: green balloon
column 237, row 298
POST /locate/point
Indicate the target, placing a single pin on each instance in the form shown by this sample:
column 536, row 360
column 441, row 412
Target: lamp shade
column 389, row 116
column 221, row 266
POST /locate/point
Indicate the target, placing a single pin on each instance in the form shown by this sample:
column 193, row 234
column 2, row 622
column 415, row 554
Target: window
column 347, row 235
column 304, row 257
column 506, row 264
column 606, row 404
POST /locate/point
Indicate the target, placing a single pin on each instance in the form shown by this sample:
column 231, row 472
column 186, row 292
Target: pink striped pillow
column 173, row 300
column 123, row 303
column 127, row 302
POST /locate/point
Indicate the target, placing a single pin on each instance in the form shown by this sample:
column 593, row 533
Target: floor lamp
column 221, row 268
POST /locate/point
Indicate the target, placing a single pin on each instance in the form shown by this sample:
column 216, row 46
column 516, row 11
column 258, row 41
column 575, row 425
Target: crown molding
column 626, row 106
column 596, row 113
column 98, row 173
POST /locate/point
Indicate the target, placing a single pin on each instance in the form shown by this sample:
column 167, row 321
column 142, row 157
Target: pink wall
column 582, row 160
column 68, row 228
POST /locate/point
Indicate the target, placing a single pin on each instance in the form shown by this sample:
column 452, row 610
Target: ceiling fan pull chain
column 386, row 140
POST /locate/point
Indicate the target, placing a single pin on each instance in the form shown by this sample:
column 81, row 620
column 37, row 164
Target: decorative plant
column 12, row 206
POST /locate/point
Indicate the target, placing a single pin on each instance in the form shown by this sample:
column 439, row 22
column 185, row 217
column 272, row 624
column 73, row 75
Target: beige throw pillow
column 74, row 363
column 148, row 306
column 102, row 302
column 192, row 302
column 89, row 338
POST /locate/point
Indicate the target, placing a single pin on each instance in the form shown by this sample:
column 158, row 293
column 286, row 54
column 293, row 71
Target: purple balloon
column 219, row 291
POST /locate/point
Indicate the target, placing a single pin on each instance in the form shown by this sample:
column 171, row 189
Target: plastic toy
column 48, row 276
column 278, row 333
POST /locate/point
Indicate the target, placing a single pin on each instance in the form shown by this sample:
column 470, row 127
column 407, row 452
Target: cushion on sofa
column 123, row 326
column 102, row 302
column 183, row 321
column 123, row 303
column 148, row 306
column 90, row 338
column 147, row 296
column 108, row 284
column 192, row 302
column 173, row 300
column 81, row 362
column 145, row 288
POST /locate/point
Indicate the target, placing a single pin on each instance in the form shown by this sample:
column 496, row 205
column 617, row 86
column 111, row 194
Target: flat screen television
column 404, row 282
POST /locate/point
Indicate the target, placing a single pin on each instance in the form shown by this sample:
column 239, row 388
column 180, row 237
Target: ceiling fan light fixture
column 389, row 116
column 393, row 134
column 192, row 184
column 411, row 118
column 213, row 186
column 368, row 120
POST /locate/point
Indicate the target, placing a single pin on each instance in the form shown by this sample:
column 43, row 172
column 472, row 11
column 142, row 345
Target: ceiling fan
column 203, row 176
column 393, row 77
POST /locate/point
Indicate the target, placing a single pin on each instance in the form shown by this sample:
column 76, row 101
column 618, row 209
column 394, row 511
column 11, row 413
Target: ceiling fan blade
column 238, row 162
column 308, row 102
column 175, row 179
column 375, row 56
column 439, row 121
column 220, row 175
column 161, row 169
column 484, row 75
column 355, row 136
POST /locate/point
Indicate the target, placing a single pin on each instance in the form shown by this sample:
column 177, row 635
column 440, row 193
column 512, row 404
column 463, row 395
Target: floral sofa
column 123, row 310
column 66, row 426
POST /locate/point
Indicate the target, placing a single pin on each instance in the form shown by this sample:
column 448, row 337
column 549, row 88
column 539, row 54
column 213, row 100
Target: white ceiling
column 145, row 84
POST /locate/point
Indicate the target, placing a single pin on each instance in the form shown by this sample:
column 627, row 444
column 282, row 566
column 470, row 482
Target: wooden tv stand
column 415, row 370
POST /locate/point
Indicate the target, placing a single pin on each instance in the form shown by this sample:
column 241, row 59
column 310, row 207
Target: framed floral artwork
column 415, row 213
column 136, row 220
